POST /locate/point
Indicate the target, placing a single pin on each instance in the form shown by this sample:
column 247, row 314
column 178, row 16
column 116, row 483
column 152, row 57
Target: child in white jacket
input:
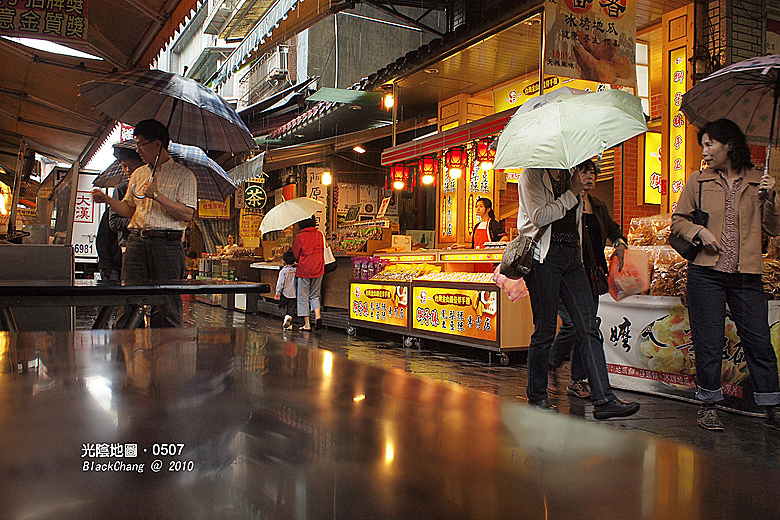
column 286, row 290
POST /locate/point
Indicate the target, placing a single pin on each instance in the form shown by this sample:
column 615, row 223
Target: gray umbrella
column 194, row 114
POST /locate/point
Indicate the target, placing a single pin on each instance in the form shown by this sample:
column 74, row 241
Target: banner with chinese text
column 63, row 20
column 591, row 39
column 648, row 348
column 652, row 182
column 448, row 207
column 677, row 87
column 480, row 184
column 471, row 313
column 249, row 224
column 515, row 94
column 318, row 191
column 213, row 209
column 382, row 304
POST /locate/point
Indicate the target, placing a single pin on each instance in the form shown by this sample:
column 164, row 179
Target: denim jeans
column 308, row 295
column 567, row 342
column 708, row 293
column 561, row 278
column 156, row 259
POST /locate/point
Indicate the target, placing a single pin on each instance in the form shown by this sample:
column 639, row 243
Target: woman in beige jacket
column 741, row 202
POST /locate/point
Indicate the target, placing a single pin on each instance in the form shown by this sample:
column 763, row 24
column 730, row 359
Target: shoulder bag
column 689, row 250
column 518, row 257
column 327, row 252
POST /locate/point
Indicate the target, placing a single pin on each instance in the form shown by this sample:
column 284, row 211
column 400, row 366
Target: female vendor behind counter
column 489, row 229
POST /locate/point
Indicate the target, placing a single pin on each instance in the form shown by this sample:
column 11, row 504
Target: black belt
column 157, row 233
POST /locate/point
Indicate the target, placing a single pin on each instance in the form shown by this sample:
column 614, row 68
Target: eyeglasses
column 139, row 144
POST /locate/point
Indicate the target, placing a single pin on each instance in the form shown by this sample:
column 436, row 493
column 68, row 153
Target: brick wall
column 744, row 20
column 628, row 190
column 509, row 196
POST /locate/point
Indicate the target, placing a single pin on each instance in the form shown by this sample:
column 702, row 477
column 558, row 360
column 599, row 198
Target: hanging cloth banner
column 591, row 39
column 62, row 20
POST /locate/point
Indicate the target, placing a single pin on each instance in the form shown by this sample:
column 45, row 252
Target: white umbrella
column 288, row 213
column 569, row 129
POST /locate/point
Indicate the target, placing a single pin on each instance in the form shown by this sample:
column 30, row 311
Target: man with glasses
column 159, row 209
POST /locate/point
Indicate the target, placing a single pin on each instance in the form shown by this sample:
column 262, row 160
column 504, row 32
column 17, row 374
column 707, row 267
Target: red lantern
column 399, row 176
column 428, row 169
column 456, row 160
column 486, row 153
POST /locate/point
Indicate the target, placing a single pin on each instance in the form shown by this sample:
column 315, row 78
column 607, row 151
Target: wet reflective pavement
column 240, row 423
column 745, row 440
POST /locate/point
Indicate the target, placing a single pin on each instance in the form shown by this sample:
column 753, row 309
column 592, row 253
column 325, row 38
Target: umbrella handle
column 151, row 177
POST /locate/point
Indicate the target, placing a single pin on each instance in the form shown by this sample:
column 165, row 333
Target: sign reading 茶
column 254, row 196
column 470, row 313
column 64, row 20
column 379, row 303
column 591, row 39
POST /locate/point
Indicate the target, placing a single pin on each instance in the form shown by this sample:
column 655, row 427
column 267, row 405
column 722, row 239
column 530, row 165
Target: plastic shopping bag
column 515, row 289
column 634, row 278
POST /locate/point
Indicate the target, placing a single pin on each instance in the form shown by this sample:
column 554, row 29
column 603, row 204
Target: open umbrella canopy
column 569, row 129
column 747, row 93
column 288, row 213
column 213, row 181
column 194, row 114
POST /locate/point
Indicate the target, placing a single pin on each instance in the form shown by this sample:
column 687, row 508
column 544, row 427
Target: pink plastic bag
column 634, row 278
column 515, row 289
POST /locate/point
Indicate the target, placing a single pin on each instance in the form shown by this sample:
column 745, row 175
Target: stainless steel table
column 230, row 423
column 82, row 293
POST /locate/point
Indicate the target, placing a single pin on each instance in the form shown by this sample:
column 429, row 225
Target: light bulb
column 326, row 178
column 399, row 185
column 427, row 179
column 455, row 173
column 486, row 165
column 388, row 101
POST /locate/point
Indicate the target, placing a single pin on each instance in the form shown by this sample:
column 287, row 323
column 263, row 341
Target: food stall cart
column 647, row 337
column 450, row 298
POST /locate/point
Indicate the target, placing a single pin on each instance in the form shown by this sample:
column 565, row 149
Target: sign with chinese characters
column 513, row 175
column 254, row 196
column 648, row 348
column 515, row 94
column 125, row 132
column 448, row 206
column 85, row 208
column 591, row 39
column 678, row 76
column 318, row 191
column 379, row 303
column 64, row 20
column 480, row 184
column 213, row 209
column 249, row 224
column 652, row 180
column 471, row 313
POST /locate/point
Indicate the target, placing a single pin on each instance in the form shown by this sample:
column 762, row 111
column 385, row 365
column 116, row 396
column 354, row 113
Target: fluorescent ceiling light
column 48, row 46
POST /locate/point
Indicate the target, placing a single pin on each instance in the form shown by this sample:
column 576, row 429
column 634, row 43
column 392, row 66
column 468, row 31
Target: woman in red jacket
column 309, row 251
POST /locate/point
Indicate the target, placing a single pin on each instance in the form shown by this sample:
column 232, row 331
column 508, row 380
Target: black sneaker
column 615, row 408
column 544, row 406
column 707, row 417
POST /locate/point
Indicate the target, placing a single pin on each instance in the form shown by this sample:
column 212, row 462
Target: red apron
column 481, row 236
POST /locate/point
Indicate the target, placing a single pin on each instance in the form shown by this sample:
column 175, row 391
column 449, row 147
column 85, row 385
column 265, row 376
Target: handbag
column 689, row 250
column 518, row 257
column 596, row 276
column 330, row 260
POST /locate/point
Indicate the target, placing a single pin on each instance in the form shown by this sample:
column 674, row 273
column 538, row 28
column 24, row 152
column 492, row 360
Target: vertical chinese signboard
column 318, row 191
column 448, row 208
column 652, row 180
column 62, row 20
column 480, row 184
column 677, row 127
column 591, row 39
column 456, row 311
column 85, row 208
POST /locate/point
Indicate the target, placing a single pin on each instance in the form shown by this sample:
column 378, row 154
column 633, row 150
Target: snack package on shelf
column 650, row 231
column 366, row 267
column 404, row 272
column 457, row 277
column 670, row 273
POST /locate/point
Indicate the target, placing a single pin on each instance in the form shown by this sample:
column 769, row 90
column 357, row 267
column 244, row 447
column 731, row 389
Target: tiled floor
column 745, row 439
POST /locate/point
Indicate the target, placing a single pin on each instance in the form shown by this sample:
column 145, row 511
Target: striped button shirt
column 175, row 182
column 728, row 261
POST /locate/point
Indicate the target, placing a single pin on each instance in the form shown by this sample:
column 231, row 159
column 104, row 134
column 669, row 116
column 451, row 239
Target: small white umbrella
column 569, row 129
column 288, row 213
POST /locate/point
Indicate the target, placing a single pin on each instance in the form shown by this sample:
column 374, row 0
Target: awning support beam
column 396, row 14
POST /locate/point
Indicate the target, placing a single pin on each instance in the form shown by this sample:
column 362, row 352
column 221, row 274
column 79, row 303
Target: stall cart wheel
column 351, row 331
column 503, row 358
